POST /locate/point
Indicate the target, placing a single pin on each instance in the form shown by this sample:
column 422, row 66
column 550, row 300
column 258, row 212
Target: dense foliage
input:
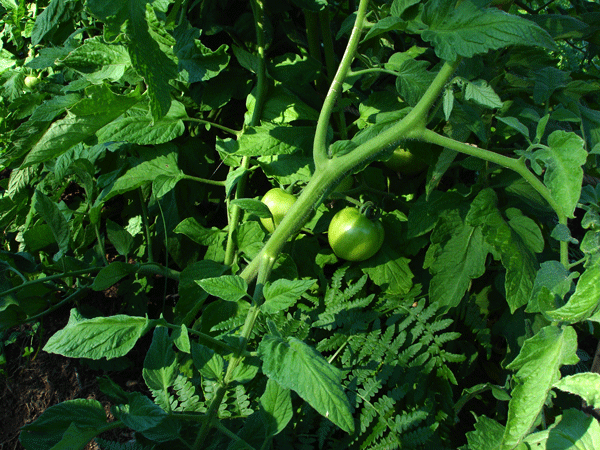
column 138, row 137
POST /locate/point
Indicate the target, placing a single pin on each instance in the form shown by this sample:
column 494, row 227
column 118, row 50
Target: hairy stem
column 320, row 141
column 330, row 171
column 517, row 165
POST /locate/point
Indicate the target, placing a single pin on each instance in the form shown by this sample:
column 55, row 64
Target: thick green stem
column 329, row 171
column 266, row 264
column 261, row 94
column 320, row 142
column 517, row 165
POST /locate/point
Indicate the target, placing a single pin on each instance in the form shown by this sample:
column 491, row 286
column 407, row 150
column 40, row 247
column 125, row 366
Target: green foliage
column 137, row 137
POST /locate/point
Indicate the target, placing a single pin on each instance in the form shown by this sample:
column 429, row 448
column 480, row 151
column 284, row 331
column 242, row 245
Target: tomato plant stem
column 261, row 93
column 320, row 141
column 203, row 180
column 517, row 165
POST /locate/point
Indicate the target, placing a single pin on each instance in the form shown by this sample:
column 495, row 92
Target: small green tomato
column 279, row 202
column 405, row 162
column 31, row 81
column 353, row 236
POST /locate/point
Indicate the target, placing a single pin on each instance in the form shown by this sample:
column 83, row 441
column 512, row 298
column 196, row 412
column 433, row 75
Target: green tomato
column 405, row 162
column 353, row 236
column 31, row 81
column 279, row 202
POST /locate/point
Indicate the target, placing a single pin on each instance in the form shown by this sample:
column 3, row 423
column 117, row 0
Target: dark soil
column 33, row 383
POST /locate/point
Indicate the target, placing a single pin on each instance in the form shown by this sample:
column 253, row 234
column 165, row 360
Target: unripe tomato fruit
column 279, row 202
column 353, row 236
column 31, row 81
column 405, row 162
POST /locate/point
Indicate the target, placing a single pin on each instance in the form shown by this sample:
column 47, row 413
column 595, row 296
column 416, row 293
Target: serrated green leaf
column 548, row 80
column 228, row 287
column 585, row 300
column 564, row 158
column 233, row 177
column 208, row 363
column 515, row 251
column 575, row 431
column 140, row 128
column 99, row 61
column 283, row 294
column 144, row 416
column 461, row 260
column 55, row 220
column 515, row 124
column 552, row 280
column 147, row 56
column 384, row 25
column 76, row 437
column 196, row 62
column 160, row 364
column 191, row 295
column 413, row 80
column 487, row 435
column 482, row 94
column 111, row 274
column 389, row 270
column 537, row 367
column 253, row 206
column 100, row 107
column 119, row 237
column 50, row 17
column 100, row 337
column 276, row 407
column 586, row 385
column 271, row 139
column 281, row 107
column 48, row 429
column 468, row 30
column 297, row 366
column 154, row 162
column 448, row 103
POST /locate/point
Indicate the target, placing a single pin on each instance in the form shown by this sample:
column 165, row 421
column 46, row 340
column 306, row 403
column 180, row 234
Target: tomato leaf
column 515, row 241
column 297, row 366
column 468, row 30
column 584, row 301
column 537, row 367
column 276, row 407
column 100, row 337
column 228, row 287
column 55, row 220
column 84, row 119
column 50, row 428
column 564, row 158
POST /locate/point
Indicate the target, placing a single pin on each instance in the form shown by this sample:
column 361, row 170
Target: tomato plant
column 279, row 202
column 354, row 237
column 129, row 189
